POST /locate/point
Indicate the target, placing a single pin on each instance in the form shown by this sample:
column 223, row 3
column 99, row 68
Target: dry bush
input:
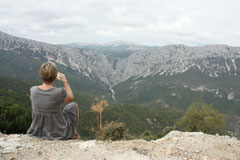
column 98, row 106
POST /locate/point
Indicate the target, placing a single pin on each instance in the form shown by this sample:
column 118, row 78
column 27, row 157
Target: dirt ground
column 175, row 146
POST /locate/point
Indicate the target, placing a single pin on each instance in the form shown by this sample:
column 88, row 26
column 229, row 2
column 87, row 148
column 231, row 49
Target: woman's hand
column 62, row 77
column 67, row 87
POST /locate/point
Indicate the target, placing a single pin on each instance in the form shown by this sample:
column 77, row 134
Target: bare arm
column 67, row 87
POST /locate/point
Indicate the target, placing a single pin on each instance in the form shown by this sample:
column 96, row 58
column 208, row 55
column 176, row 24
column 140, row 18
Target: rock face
column 89, row 63
column 212, row 60
column 176, row 145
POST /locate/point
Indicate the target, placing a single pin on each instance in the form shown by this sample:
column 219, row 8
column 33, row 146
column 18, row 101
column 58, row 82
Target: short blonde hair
column 48, row 72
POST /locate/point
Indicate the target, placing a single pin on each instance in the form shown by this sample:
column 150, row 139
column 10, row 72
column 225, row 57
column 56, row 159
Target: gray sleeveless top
column 48, row 120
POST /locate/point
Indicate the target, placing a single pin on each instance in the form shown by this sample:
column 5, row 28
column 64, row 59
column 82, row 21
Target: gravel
column 174, row 146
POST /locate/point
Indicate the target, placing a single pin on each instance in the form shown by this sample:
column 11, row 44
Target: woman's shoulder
column 54, row 89
column 33, row 88
column 60, row 90
column 37, row 88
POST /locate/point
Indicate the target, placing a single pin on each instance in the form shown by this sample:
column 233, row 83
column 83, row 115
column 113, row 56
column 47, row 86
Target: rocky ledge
column 174, row 146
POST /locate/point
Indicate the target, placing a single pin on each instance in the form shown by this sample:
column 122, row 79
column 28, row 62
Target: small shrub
column 147, row 135
column 115, row 131
column 166, row 130
column 159, row 136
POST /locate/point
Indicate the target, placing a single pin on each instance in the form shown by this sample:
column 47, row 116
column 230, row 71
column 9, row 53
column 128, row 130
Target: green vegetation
column 15, row 105
column 147, row 135
column 204, row 118
column 165, row 131
column 115, row 131
column 137, row 119
column 169, row 91
column 14, row 118
column 143, row 122
column 25, row 68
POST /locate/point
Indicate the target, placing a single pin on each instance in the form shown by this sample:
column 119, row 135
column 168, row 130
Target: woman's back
column 48, row 121
column 47, row 100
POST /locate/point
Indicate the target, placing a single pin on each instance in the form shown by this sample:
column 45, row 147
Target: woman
column 48, row 120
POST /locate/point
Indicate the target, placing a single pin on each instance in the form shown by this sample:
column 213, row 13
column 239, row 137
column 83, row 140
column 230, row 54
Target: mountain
column 84, row 61
column 115, row 44
column 207, row 68
column 172, row 76
column 211, row 68
column 112, row 50
column 21, row 58
column 212, row 60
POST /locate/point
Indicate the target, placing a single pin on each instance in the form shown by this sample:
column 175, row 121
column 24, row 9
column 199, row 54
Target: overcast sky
column 149, row 22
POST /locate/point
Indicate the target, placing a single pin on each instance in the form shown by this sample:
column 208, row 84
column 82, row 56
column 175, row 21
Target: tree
column 13, row 117
column 202, row 117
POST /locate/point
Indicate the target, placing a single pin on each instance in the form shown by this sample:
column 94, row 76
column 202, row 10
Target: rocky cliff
column 174, row 146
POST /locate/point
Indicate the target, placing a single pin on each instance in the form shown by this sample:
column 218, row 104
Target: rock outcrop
column 174, row 146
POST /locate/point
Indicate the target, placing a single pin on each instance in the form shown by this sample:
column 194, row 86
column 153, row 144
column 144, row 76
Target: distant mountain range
column 212, row 60
column 112, row 50
column 116, row 44
column 128, row 73
column 211, row 68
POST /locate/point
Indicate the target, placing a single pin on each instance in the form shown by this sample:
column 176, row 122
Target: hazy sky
column 149, row 22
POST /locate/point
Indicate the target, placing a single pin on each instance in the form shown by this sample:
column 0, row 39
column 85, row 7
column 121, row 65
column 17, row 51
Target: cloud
column 153, row 22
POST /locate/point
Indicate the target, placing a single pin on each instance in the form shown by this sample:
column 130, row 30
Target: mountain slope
column 211, row 68
column 168, row 76
column 21, row 58
column 211, row 60
column 84, row 61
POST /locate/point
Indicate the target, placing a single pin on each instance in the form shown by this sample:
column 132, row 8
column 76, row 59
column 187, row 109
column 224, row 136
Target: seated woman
column 48, row 120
